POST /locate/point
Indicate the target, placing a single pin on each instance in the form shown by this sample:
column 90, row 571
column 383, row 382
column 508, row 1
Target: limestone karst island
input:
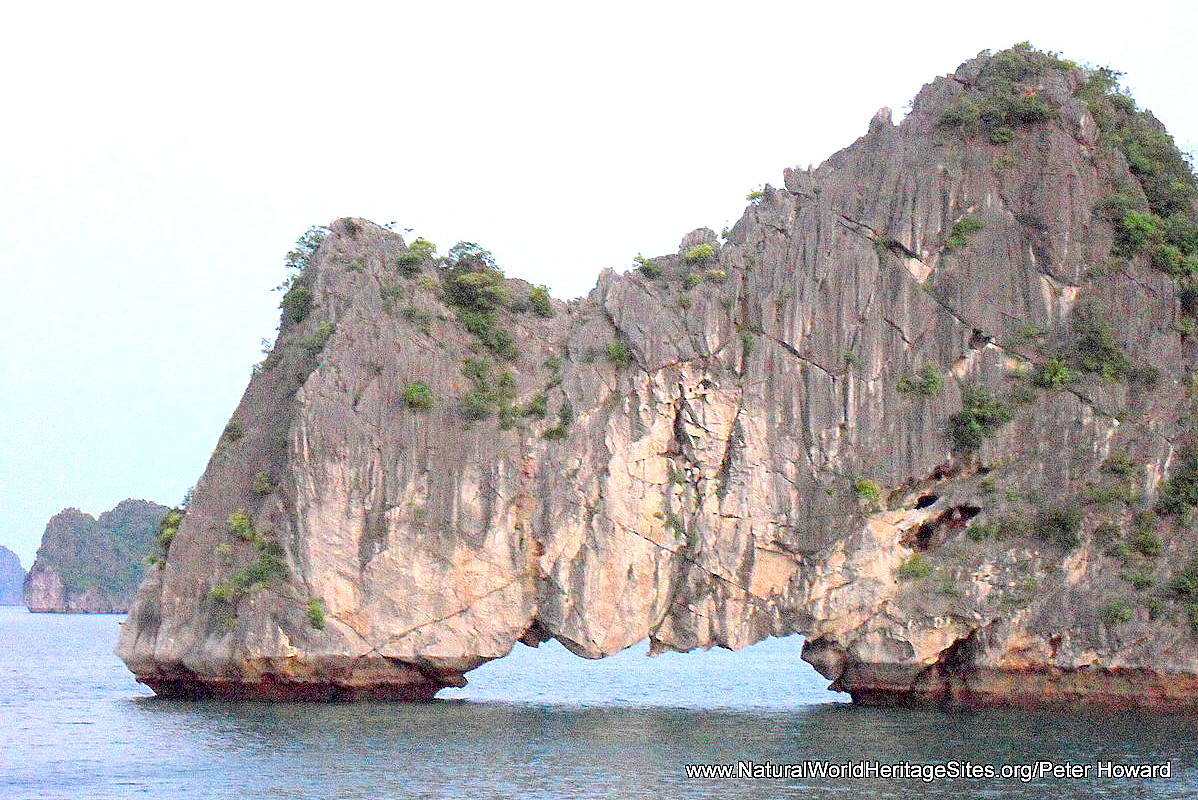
column 930, row 405
column 90, row 565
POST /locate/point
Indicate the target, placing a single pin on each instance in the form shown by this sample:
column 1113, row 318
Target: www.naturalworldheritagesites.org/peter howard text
column 949, row 770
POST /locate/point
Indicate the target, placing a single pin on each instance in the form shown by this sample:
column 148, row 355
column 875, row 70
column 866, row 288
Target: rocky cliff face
column 928, row 405
column 12, row 578
column 89, row 565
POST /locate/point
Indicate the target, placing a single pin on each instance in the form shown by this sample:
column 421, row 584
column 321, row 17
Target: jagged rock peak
column 882, row 120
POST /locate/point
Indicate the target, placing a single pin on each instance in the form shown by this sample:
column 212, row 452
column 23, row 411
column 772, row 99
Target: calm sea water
column 539, row 724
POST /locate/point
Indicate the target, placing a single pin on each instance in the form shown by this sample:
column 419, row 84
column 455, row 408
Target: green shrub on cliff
column 964, row 114
column 537, row 406
column 1093, row 348
column 1185, row 580
column 489, row 393
column 565, row 418
column 981, row 531
column 1059, row 525
column 1179, row 492
column 482, row 292
column 962, row 228
column 698, row 253
column 1140, row 579
column 1117, row 612
column 1052, row 374
column 914, row 568
column 1120, row 465
column 1147, row 542
column 1162, row 170
column 477, row 290
column 423, row 247
column 391, row 294
column 538, row 300
column 296, row 303
column 927, row 382
column 475, row 404
column 471, row 256
column 867, row 491
column 618, row 353
column 300, row 257
column 297, row 297
column 316, row 613
column 418, row 395
column 1007, row 95
column 981, row 416
column 315, row 341
column 266, row 570
column 1002, row 134
column 494, row 337
column 421, row 251
column 263, row 483
column 1164, row 223
column 241, row 526
column 647, row 266
column 675, row 525
column 168, row 528
column 1136, row 231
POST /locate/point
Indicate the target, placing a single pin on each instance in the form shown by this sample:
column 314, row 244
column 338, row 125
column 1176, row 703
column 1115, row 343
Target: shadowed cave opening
column 768, row 674
column 939, row 528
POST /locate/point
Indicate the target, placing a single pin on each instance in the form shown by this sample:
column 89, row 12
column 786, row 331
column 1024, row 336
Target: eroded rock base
column 329, row 680
column 270, row 688
column 1112, row 689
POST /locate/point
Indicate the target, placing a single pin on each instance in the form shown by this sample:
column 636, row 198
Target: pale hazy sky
column 159, row 159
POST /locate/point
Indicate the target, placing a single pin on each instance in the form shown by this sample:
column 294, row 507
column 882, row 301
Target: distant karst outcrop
column 89, row 565
column 930, row 405
column 12, row 578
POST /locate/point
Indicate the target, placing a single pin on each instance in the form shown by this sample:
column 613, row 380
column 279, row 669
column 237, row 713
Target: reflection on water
column 541, row 725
